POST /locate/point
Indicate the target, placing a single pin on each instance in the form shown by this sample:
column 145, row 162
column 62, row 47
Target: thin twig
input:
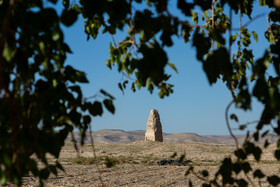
column 199, row 177
column 260, row 185
column 250, row 21
column 240, row 27
column 269, row 26
column 246, row 124
column 94, row 155
column 229, row 54
column 114, row 42
column 75, row 144
column 248, row 178
column 253, row 19
column 228, row 126
column 199, row 12
column 132, row 26
column 252, row 122
column 123, row 74
column 92, row 97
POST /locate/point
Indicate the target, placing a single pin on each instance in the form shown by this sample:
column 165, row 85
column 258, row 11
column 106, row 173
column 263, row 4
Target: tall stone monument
column 154, row 130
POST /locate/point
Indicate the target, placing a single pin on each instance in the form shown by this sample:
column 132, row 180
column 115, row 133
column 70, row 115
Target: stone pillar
column 154, row 129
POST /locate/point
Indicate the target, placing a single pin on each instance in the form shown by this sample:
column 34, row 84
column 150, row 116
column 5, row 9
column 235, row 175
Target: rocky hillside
column 109, row 136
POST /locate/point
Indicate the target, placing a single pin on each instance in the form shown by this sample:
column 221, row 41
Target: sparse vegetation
column 113, row 161
column 83, row 160
column 110, row 162
column 141, row 168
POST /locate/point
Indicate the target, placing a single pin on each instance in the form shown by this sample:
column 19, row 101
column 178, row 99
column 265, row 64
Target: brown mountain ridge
column 116, row 136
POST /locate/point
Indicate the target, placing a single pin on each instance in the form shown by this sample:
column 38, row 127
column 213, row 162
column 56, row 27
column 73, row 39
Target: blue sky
column 194, row 107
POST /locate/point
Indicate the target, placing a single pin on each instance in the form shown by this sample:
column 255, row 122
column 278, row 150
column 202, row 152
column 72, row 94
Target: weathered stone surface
column 154, row 129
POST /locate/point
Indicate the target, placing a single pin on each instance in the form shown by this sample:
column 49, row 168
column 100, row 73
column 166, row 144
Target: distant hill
column 109, row 136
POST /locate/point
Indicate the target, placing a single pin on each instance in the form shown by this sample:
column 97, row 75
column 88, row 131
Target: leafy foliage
column 40, row 97
column 41, row 100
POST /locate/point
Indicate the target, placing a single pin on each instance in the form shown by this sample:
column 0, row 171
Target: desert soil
column 137, row 164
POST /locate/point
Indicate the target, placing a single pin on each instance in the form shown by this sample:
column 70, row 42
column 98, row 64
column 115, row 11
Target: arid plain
column 136, row 162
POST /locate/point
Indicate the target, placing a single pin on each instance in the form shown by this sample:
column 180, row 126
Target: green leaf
column 120, row 87
column 189, row 170
column 265, row 133
column 277, row 154
column 256, row 136
column 258, row 174
column 133, row 87
column 7, row 160
column 55, row 36
column 234, row 117
column 124, row 84
column 206, row 14
column 242, row 127
column 218, row 64
column 241, row 182
column 87, row 119
column 8, row 53
column 161, row 94
column 205, row 173
column 233, row 38
column 44, row 173
column 278, row 143
column 273, row 180
column 275, row 15
column 65, row 3
column 202, row 45
column 266, row 144
column 262, row 2
column 237, row 167
column 107, row 94
column 246, row 167
column 95, row 109
column 81, row 77
column 257, row 153
column 195, row 17
column 255, row 35
column 74, row 75
column 69, row 17
column 109, row 105
column 240, row 154
column 173, row 67
column 108, row 64
column 3, row 180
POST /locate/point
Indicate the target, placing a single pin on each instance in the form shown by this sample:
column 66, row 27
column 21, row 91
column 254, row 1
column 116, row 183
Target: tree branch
column 269, row 26
column 5, row 29
column 250, row 21
column 228, row 126
column 213, row 24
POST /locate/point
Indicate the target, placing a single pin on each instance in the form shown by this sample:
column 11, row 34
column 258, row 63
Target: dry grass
column 135, row 164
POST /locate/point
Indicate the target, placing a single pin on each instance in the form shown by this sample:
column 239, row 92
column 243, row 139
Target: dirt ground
column 136, row 164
